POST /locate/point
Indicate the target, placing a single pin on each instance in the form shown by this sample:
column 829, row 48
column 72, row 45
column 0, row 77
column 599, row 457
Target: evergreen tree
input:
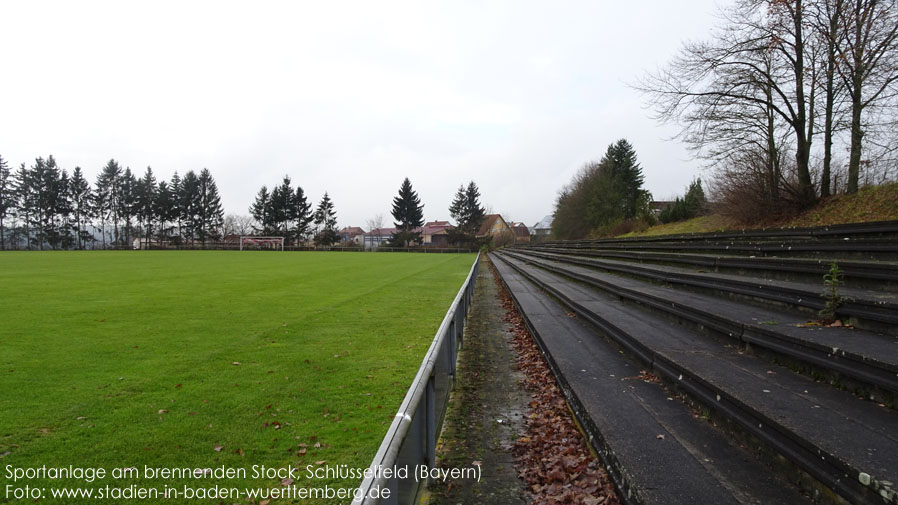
column 625, row 174
column 408, row 213
column 692, row 204
column 326, row 222
column 80, row 201
column 25, row 202
column 145, row 203
column 106, row 198
column 127, row 205
column 210, row 213
column 260, row 209
column 467, row 213
column 189, row 206
column 44, row 188
column 176, row 213
column 164, row 210
column 281, row 207
column 474, row 211
column 302, row 216
column 7, row 200
column 62, row 232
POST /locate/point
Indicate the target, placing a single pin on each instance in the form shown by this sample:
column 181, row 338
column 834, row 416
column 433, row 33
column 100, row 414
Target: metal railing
column 230, row 246
column 411, row 439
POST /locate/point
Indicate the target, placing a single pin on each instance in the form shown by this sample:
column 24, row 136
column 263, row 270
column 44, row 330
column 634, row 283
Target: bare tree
column 826, row 20
column 868, row 66
column 235, row 224
column 375, row 224
column 756, row 77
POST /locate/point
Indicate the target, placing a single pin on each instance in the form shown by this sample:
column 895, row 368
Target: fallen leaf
column 319, row 463
column 286, row 482
column 218, row 448
column 162, row 411
column 236, row 363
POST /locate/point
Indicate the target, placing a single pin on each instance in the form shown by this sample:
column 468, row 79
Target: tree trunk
column 807, row 195
column 857, row 135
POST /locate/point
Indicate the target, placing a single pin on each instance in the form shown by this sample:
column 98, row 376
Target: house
column 431, row 228
column 351, row 234
column 494, row 229
column 544, row 227
column 440, row 238
column 659, row 206
column 376, row 237
column 521, row 233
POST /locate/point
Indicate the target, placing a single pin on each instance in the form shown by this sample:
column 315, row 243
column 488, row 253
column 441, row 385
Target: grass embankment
column 875, row 203
column 203, row 359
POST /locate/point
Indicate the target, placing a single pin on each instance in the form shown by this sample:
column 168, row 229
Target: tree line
column 791, row 101
column 285, row 211
column 602, row 195
column 42, row 206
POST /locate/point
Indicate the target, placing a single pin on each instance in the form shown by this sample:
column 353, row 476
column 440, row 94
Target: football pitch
column 211, row 360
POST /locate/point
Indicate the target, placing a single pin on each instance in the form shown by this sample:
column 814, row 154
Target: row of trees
column 43, row 207
column 780, row 90
column 602, row 194
column 285, row 211
column 465, row 210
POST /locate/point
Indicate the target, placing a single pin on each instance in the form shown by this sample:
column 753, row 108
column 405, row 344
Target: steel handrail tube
column 388, row 452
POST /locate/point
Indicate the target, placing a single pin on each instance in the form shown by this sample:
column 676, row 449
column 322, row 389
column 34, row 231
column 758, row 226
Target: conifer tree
column 282, row 210
column 620, row 164
column 467, row 213
column 188, row 205
column 24, row 202
column 326, row 222
column 210, row 211
column 7, row 199
column 82, row 209
column 260, row 210
column 302, row 215
column 107, row 197
column 127, row 205
column 176, row 216
column 145, row 202
column 164, row 210
column 408, row 213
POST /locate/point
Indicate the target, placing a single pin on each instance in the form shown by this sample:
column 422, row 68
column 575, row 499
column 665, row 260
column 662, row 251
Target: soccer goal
column 261, row 243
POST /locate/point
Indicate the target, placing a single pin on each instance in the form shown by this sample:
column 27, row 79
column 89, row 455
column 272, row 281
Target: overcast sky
column 346, row 97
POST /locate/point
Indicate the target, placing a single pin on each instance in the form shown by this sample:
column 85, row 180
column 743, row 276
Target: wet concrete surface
column 486, row 409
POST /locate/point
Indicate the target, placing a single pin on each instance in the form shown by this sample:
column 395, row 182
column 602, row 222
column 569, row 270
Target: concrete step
column 877, row 249
column 853, row 231
column 654, row 447
column 846, row 445
column 861, row 274
column 868, row 309
column 862, row 361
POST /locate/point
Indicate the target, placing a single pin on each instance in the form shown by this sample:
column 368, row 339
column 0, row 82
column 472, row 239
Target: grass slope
column 873, row 203
column 120, row 359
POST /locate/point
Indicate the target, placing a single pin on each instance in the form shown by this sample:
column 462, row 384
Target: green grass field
column 203, row 359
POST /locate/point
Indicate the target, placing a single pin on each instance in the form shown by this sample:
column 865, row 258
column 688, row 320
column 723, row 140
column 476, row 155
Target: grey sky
column 347, row 97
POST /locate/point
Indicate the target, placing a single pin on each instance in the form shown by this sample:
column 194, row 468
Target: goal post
column 261, row 243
